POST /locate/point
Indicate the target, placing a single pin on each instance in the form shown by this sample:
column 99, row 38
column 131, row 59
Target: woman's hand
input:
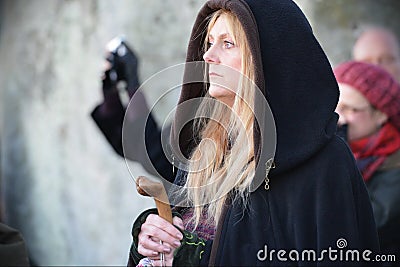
column 155, row 229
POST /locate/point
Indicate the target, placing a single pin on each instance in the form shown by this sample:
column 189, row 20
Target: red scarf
column 371, row 152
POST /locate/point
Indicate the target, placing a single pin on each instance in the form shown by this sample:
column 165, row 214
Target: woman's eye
column 228, row 44
column 209, row 44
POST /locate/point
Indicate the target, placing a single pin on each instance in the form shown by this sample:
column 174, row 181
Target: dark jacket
column 384, row 188
column 145, row 148
column 316, row 199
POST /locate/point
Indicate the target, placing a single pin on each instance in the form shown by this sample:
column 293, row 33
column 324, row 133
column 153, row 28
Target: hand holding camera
column 121, row 68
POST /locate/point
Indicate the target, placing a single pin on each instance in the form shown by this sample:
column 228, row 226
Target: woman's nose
column 211, row 55
column 342, row 119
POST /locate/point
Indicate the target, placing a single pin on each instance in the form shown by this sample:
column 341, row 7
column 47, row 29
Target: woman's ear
column 381, row 118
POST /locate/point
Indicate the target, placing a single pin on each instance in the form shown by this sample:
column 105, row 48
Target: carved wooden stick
column 147, row 187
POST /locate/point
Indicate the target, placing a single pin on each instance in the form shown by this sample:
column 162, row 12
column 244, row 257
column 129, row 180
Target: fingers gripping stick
column 147, row 187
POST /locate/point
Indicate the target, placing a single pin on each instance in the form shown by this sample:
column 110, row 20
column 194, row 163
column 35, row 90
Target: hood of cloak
column 292, row 72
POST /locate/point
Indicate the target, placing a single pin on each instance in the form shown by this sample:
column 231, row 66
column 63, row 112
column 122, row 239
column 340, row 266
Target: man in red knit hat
column 369, row 105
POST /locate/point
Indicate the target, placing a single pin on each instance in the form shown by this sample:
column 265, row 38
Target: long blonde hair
column 220, row 162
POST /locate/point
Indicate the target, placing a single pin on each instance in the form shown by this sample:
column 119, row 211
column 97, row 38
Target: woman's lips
column 214, row 74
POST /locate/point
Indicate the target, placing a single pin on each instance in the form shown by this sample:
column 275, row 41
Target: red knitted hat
column 376, row 84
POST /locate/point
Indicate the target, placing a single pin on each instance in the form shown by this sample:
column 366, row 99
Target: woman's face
column 356, row 111
column 225, row 62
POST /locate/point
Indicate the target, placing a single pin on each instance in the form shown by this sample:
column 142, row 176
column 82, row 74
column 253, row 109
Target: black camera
column 124, row 63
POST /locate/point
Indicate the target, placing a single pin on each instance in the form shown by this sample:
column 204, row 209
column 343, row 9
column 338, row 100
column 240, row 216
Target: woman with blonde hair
column 238, row 202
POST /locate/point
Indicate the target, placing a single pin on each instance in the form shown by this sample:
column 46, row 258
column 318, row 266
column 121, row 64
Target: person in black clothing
column 122, row 74
column 235, row 202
